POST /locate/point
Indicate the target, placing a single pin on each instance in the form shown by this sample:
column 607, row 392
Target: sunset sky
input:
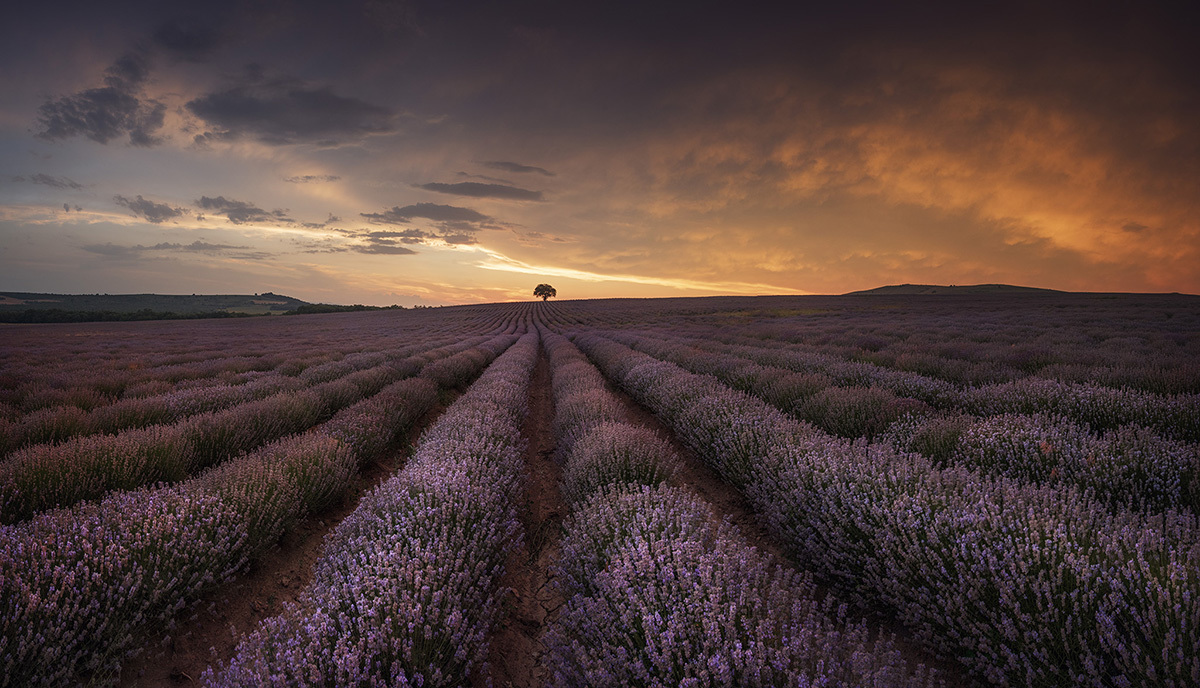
column 387, row 151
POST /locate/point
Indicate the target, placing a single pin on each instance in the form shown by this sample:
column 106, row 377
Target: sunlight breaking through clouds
column 494, row 260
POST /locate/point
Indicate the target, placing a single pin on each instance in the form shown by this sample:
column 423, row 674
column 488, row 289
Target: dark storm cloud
column 108, row 112
column 479, row 190
column 193, row 42
column 309, row 178
column 149, row 210
column 516, row 167
column 428, row 211
column 286, row 111
column 241, row 212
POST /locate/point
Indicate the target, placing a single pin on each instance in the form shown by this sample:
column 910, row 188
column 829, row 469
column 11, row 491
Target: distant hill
column 905, row 289
column 30, row 307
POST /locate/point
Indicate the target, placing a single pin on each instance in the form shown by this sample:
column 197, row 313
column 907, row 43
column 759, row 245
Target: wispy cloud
column 310, row 178
column 120, row 251
column 481, row 190
column 516, row 167
column 429, row 211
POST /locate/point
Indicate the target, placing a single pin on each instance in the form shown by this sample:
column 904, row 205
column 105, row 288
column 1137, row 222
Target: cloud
column 241, row 212
column 149, row 210
column 479, row 190
column 408, row 236
column 515, row 167
column 185, row 41
column 287, row 111
column 428, row 211
column 385, row 242
column 383, row 249
column 108, row 112
column 321, row 225
column 48, row 180
column 1134, row 227
column 131, row 252
column 459, row 238
column 309, row 178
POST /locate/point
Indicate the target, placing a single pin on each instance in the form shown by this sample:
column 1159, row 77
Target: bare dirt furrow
column 515, row 651
column 208, row 631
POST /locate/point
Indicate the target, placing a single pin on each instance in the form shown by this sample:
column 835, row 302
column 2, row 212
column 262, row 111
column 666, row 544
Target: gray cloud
column 428, row 211
column 384, row 249
column 109, row 112
column 408, row 236
column 193, row 42
column 480, row 190
column 1134, row 227
column 48, row 180
column 286, row 111
column 149, row 210
column 484, row 177
column 459, row 238
column 241, row 212
column 308, row 178
column 516, row 167
column 129, row 252
column 321, row 225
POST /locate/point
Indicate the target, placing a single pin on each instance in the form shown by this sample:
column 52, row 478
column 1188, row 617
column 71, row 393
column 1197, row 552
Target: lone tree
column 545, row 291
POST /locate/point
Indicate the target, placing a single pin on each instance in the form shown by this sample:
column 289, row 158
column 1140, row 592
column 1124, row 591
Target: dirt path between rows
column 515, row 651
column 729, row 503
column 208, row 631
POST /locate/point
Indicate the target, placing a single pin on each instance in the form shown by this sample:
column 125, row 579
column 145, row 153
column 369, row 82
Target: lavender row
column 45, row 476
column 1025, row 585
column 59, row 423
column 1144, row 342
column 91, row 365
column 406, row 591
column 78, row 584
column 661, row 594
column 1130, row 467
column 880, row 394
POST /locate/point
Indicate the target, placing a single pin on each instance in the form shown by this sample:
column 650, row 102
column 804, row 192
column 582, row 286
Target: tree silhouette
column 545, row 291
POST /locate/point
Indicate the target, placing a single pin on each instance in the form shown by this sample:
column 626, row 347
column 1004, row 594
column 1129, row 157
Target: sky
column 411, row 152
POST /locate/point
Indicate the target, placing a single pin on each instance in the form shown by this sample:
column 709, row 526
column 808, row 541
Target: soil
column 208, row 631
column 515, row 649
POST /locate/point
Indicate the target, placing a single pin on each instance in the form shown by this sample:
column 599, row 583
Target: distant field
column 609, row 492
column 252, row 304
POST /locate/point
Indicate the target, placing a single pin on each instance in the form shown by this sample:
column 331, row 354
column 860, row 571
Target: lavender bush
column 75, row 602
column 406, row 591
column 1025, row 585
column 614, row 454
column 661, row 594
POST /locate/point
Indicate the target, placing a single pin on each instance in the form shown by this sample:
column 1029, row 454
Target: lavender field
column 929, row 490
